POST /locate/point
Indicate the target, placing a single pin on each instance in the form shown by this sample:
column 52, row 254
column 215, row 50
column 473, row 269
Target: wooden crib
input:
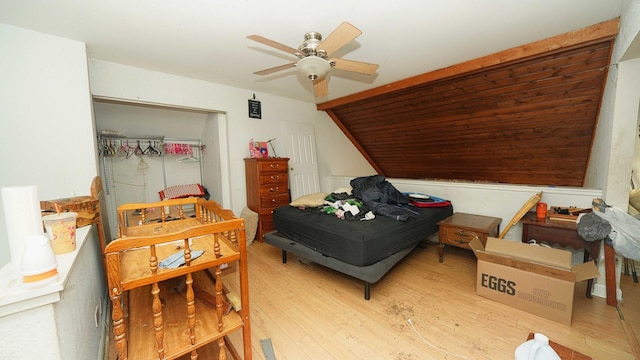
column 171, row 313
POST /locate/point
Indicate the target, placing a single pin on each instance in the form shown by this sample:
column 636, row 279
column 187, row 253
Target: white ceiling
column 206, row 39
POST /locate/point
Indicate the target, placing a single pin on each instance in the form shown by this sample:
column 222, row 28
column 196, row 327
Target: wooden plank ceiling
column 526, row 115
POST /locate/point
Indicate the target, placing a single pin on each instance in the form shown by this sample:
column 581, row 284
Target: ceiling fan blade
column 339, row 37
column 355, row 66
column 275, row 69
column 273, row 44
column 320, row 87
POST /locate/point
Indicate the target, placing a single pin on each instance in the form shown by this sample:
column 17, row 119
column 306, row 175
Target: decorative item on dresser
column 267, row 188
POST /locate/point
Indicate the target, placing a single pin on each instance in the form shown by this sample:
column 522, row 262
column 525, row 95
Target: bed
column 366, row 250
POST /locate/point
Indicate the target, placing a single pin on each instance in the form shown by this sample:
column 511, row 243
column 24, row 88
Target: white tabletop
column 15, row 296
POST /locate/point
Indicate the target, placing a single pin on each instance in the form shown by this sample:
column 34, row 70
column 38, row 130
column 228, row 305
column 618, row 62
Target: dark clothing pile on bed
column 371, row 195
column 381, row 197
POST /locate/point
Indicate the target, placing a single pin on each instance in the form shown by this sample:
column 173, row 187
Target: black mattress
column 356, row 242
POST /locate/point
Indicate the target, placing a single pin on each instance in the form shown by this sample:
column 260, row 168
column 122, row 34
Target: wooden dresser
column 267, row 189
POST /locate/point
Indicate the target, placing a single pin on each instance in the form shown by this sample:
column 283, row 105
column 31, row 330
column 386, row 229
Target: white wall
column 46, row 139
column 613, row 148
column 46, row 135
column 612, row 155
column 216, row 149
column 336, row 154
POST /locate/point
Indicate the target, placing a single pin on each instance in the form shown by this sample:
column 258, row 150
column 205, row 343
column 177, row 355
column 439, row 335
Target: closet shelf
column 125, row 137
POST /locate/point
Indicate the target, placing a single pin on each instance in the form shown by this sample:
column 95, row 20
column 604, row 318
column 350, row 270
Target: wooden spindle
column 219, row 310
column 112, row 262
column 143, row 216
column 153, row 260
column 216, row 245
column 187, row 252
column 117, row 317
column 233, row 236
column 157, row 319
column 191, row 309
column 222, row 355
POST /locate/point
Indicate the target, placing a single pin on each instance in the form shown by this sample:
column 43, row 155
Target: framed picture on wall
column 255, row 110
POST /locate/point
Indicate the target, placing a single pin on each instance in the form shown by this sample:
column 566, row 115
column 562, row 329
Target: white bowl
column 38, row 260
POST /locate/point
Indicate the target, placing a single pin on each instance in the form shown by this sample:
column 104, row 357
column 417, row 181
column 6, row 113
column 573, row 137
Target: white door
column 303, row 165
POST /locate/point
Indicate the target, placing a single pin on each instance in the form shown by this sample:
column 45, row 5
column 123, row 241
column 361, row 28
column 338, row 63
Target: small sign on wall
column 255, row 111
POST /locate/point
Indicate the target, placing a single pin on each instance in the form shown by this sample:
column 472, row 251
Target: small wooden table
column 558, row 232
column 460, row 228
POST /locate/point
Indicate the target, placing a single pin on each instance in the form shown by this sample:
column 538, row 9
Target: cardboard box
column 532, row 278
column 228, row 268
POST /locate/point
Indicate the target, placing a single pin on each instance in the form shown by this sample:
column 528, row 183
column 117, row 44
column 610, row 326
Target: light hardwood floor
column 311, row 312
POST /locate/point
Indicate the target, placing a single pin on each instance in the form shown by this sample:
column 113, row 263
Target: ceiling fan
column 313, row 55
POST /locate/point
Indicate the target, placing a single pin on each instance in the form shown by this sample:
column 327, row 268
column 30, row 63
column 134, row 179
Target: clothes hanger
column 123, row 150
column 188, row 158
column 138, row 150
column 112, row 149
column 142, row 165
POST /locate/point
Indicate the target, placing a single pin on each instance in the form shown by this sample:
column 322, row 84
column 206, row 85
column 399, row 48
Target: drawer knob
column 275, row 177
column 274, row 166
column 274, row 189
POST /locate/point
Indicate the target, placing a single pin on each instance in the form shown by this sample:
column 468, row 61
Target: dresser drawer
column 274, row 189
column 276, row 178
column 269, row 202
column 270, row 166
column 460, row 237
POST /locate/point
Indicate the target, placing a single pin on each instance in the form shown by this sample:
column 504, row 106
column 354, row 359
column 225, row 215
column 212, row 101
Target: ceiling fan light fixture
column 314, row 56
column 313, row 67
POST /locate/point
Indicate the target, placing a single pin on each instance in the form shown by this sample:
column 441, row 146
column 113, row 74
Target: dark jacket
column 381, row 196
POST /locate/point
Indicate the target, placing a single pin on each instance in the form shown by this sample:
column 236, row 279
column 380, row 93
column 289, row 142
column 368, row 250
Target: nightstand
column 460, row 228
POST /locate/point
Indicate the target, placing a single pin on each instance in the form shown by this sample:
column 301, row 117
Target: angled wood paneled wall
column 523, row 116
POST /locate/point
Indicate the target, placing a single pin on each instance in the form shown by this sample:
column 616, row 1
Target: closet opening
column 144, row 149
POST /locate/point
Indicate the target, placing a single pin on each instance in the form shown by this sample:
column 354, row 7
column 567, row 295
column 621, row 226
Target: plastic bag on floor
column 625, row 231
